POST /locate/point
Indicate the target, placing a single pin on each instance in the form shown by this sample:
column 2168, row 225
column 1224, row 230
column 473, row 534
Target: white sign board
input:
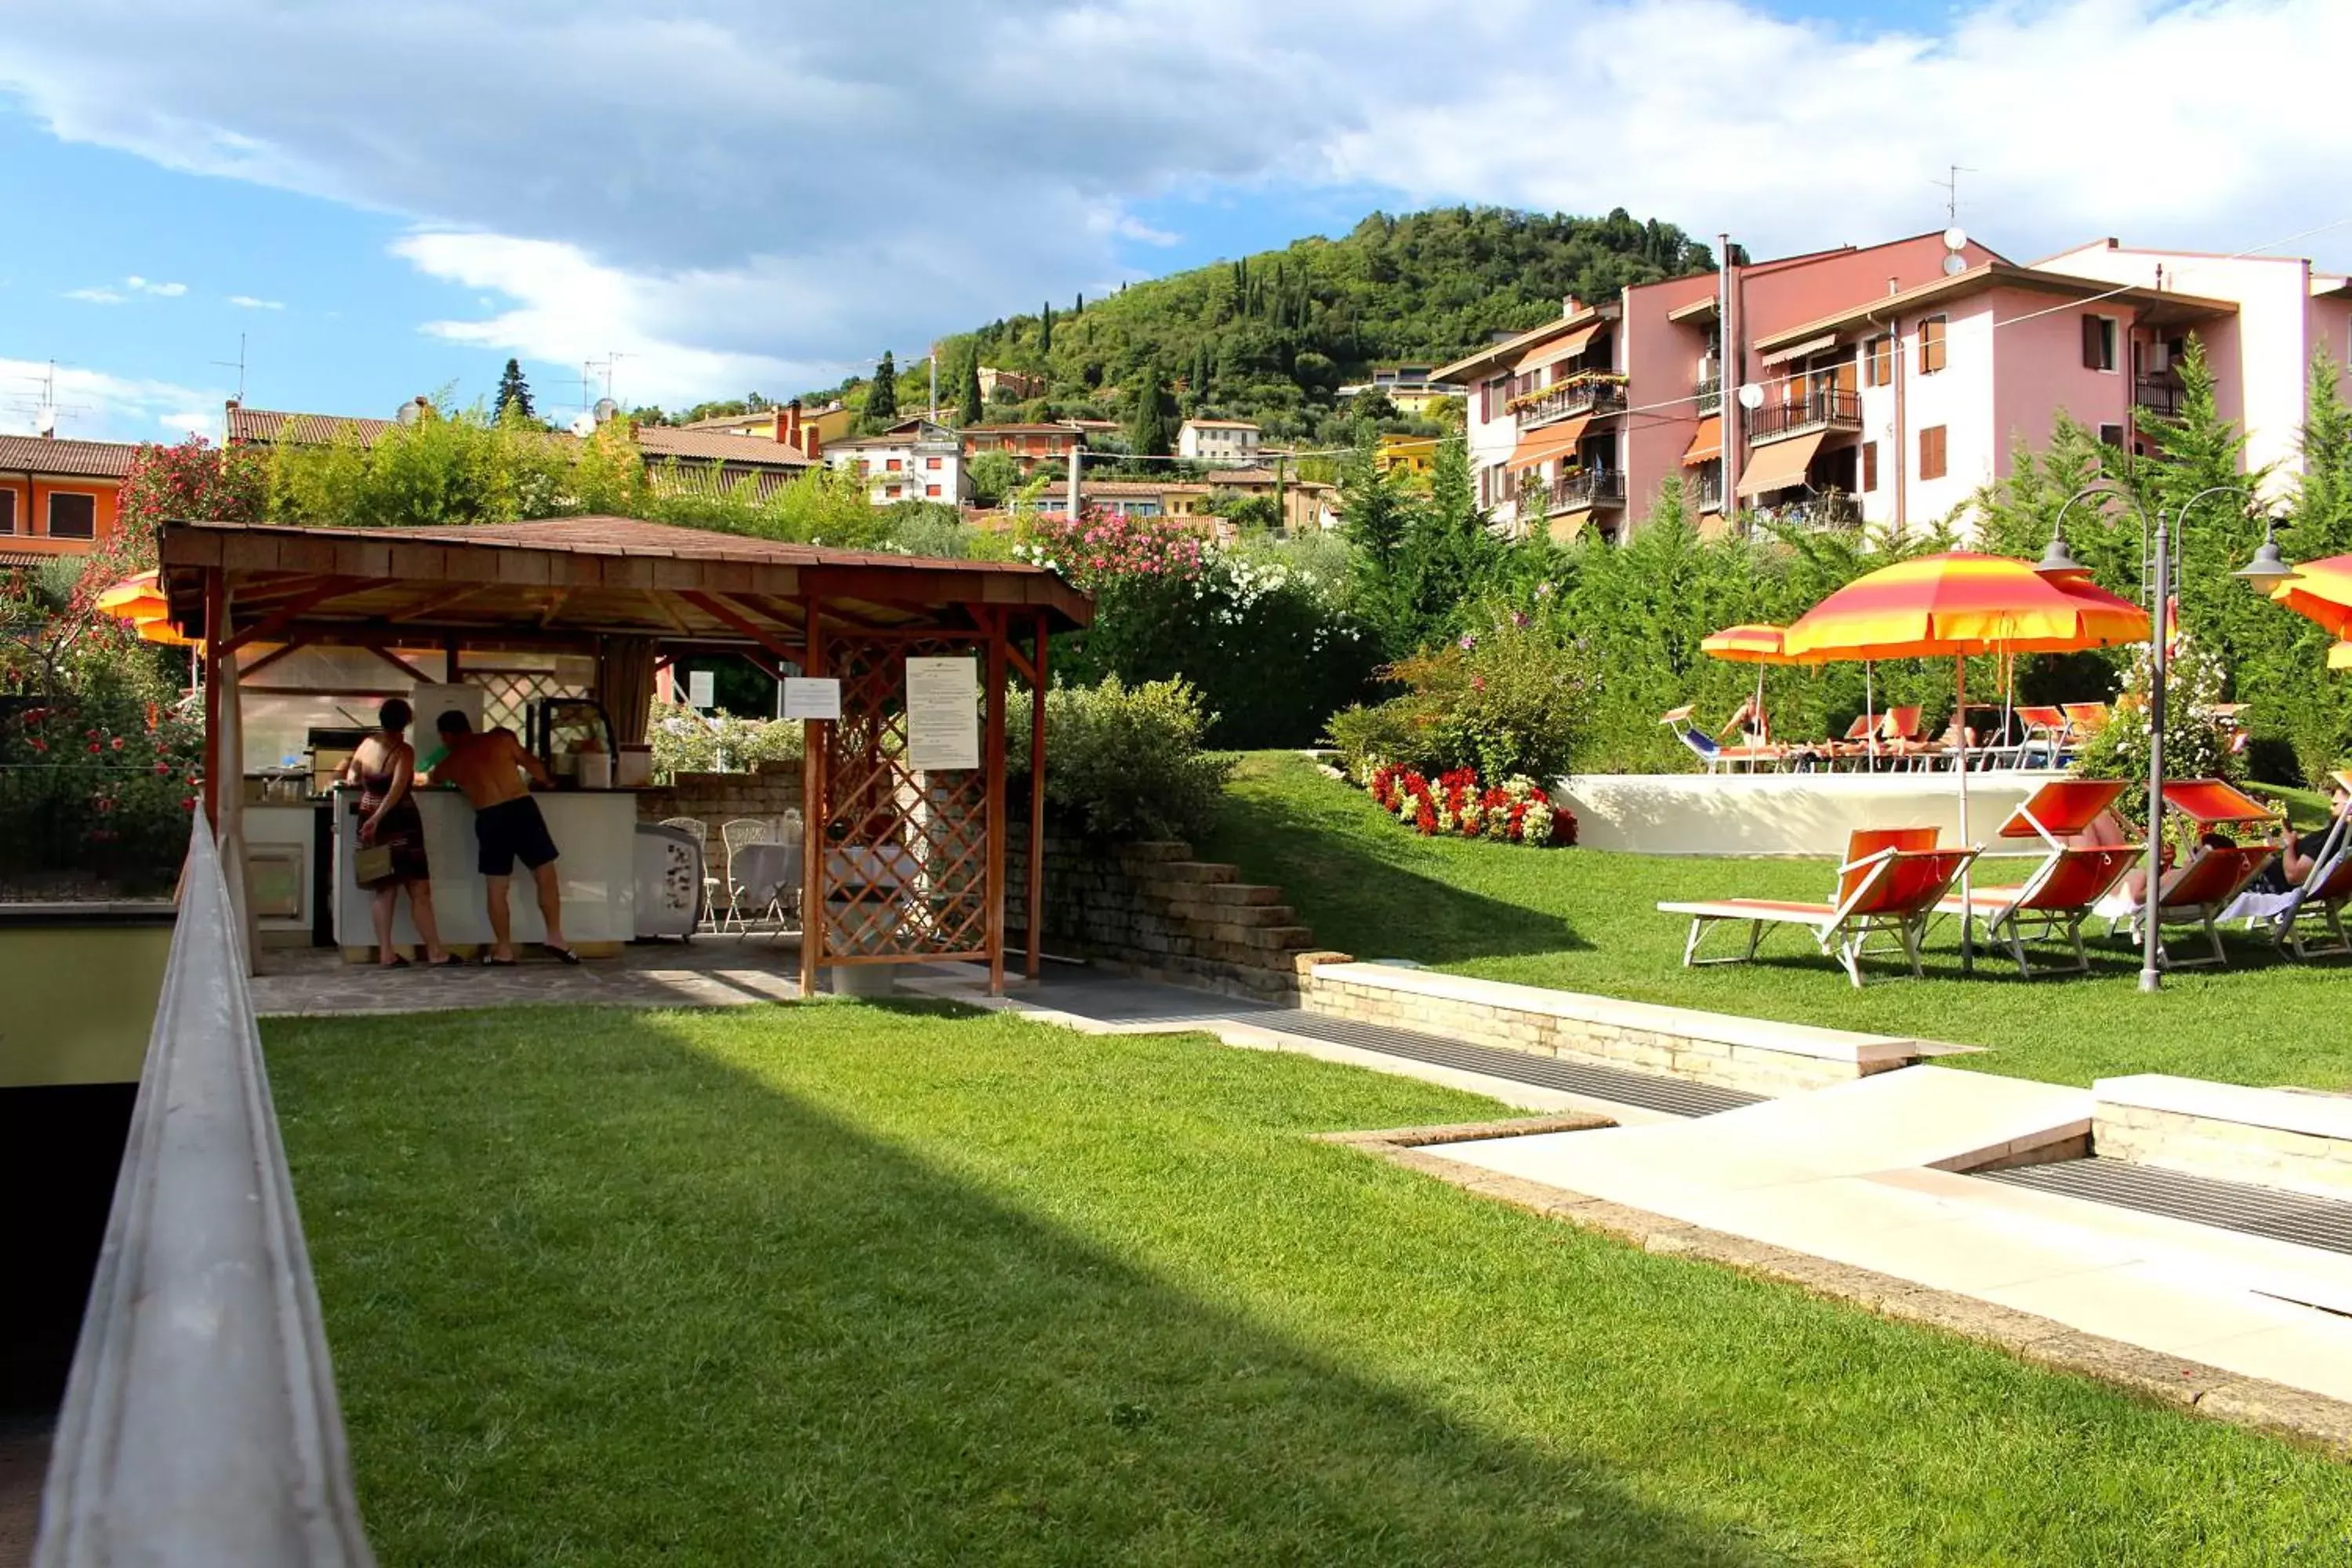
column 812, row 698
column 943, row 713
column 698, row 691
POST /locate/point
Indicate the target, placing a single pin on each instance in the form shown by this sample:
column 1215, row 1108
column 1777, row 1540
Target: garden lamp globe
column 2268, row 569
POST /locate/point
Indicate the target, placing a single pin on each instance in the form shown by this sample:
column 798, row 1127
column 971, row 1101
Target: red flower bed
column 1518, row 811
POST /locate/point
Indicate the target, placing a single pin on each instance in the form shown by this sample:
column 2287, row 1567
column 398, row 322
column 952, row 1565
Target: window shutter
column 1869, row 465
column 1931, row 452
column 2093, row 343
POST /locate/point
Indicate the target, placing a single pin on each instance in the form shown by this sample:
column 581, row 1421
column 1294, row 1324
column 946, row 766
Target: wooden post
column 815, row 737
column 1034, row 959
column 993, row 760
column 215, row 636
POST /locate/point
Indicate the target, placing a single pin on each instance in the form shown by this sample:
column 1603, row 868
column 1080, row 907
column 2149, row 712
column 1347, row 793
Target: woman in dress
column 384, row 767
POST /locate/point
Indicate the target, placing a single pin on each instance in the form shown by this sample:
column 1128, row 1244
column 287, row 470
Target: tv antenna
column 1950, row 185
column 42, row 405
column 595, row 367
column 237, row 364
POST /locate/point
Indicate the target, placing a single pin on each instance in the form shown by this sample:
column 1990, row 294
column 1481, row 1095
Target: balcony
column 1703, row 494
column 2157, row 395
column 1832, row 510
column 1585, row 394
column 1826, row 409
column 1710, row 389
column 1586, row 488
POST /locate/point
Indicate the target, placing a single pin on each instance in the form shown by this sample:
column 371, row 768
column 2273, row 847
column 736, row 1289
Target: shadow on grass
column 1356, row 897
column 648, row 1306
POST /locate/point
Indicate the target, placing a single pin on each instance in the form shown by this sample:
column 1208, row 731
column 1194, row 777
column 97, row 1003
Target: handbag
column 372, row 864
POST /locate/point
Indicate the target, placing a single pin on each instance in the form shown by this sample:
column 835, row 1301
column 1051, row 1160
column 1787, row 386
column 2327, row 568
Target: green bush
column 686, row 741
column 1514, row 700
column 2196, row 745
column 1125, row 762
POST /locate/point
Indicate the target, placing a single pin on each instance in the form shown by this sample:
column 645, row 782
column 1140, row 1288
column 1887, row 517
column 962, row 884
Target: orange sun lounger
column 2066, row 886
column 2197, row 893
column 1891, row 881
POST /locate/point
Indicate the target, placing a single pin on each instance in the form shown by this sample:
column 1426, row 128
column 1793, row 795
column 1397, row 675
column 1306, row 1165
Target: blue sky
column 392, row 203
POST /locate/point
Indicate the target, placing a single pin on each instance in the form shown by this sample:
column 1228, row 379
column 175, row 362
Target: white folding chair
column 734, row 836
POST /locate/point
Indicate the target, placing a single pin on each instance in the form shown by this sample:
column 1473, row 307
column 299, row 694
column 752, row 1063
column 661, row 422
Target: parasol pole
column 1870, row 735
column 1961, row 740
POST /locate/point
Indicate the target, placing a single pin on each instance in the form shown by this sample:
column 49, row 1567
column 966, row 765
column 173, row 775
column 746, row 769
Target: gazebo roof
column 581, row 576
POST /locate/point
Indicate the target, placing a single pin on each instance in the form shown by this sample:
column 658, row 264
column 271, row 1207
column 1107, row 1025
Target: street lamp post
column 2267, row 569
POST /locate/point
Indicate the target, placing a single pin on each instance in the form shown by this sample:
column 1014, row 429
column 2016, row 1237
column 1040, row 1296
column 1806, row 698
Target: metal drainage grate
column 2322, row 1223
column 1672, row 1096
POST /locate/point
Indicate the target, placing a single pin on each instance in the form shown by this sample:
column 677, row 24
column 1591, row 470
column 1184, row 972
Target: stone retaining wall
column 771, row 791
column 1154, row 911
column 2264, row 1137
column 1752, row 1055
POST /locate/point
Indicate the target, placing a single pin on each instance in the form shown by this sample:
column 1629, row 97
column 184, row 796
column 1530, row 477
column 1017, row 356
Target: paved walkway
column 708, row 972
column 1849, row 1174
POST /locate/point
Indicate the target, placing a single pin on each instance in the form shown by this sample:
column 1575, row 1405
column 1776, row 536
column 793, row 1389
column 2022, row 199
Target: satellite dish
column 45, row 420
column 408, row 414
column 585, row 425
column 1751, row 396
column 605, row 408
column 1955, row 264
column 1956, row 238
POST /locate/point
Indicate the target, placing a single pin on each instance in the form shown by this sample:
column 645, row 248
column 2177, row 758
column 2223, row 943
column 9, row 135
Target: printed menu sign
column 943, row 713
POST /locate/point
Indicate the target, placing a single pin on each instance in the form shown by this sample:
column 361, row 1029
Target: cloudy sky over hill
column 764, row 197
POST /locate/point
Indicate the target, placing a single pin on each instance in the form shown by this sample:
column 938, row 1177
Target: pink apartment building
column 1588, row 416
column 1885, row 389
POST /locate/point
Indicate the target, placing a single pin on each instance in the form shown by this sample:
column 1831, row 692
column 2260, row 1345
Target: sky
column 366, row 203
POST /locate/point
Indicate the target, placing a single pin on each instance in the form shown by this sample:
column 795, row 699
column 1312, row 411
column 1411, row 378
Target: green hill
column 1273, row 336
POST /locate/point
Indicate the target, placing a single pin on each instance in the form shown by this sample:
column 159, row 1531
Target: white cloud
column 247, row 302
column 161, row 291
column 759, row 194
column 136, row 284
column 97, row 405
column 95, row 296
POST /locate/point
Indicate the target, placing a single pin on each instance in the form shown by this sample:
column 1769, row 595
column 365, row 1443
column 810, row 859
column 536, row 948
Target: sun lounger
column 2065, row 888
column 2045, row 738
column 2084, row 719
column 1718, row 757
column 2197, row 894
column 1892, row 881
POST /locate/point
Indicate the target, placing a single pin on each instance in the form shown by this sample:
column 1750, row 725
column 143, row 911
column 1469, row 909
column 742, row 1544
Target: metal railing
column 200, row 1422
column 2157, row 395
column 1703, row 495
column 1572, row 397
column 1815, row 410
column 1590, row 487
column 1710, row 390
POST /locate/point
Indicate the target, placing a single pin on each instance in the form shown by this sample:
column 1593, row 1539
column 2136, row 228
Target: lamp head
column 2057, row 561
column 2267, row 570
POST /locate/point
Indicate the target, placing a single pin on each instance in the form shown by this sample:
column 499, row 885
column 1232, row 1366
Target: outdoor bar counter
column 595, row 838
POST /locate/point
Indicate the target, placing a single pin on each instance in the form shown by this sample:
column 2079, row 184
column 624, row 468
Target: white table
column 766, row 871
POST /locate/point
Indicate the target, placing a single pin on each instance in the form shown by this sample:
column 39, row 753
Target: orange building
column 57, row 498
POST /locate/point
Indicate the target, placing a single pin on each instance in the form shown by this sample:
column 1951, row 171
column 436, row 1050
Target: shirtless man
column 489, row 769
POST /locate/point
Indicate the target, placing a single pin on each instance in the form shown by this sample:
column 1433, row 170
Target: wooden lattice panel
column 906, row 873
column 508, row 694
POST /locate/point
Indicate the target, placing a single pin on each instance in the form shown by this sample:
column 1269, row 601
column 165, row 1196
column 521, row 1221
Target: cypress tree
column 1045, row 331
column 973, row 409
column 882, row 401
column 514, row 391
column 1148, row 429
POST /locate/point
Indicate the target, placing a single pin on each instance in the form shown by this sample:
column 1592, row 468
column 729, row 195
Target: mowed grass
column 860, row 1284
column 1583, row 920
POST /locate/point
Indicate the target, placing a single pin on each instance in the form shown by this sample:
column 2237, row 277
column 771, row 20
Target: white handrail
column 200, row 1424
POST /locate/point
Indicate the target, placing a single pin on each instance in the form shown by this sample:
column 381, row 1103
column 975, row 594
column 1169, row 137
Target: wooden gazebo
column 903, row 864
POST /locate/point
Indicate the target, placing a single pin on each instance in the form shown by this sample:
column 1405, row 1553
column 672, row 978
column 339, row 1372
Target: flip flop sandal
column 397, row 963
column 562, row 955
column 449, row 961
column 489, row 963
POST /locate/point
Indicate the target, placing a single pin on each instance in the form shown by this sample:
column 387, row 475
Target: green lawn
column 848, row 1284
column 1586, row 921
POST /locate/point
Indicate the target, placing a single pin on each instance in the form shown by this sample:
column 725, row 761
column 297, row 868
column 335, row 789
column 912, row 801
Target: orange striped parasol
column 1963, row 603
column 1749, row 644
column 2321, row 591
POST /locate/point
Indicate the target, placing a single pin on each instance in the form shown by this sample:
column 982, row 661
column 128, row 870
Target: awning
column 1713, row 525
column 1696, row 311
column 1556, row 350
column 1799, row 351
column 1706, row 446
column 1780, row 464
column 1545, row 442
